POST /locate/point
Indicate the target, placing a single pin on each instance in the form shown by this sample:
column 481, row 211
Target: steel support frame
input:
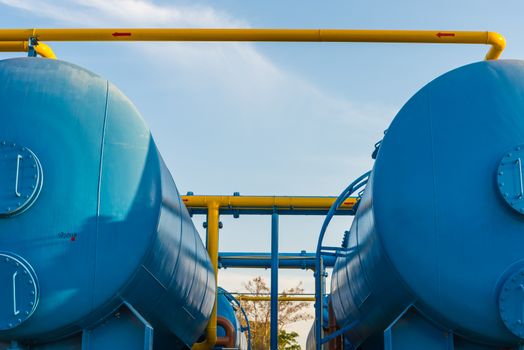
column 214, row 206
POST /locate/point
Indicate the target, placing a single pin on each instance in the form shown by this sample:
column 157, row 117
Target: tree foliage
column 258, row 313
column 288, row 340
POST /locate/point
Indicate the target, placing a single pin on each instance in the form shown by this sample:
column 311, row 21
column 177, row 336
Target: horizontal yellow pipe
column 268, row 298
column 495, row 40
column 13, row 46
column 266, row 202
column 22, row 46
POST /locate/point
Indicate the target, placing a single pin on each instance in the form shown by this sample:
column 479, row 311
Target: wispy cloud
column 91, row 13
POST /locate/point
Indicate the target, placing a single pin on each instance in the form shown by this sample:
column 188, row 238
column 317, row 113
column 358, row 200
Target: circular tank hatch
column 21, row 178
column 19, row 292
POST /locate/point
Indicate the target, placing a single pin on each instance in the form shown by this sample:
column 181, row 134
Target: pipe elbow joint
column 498, row 44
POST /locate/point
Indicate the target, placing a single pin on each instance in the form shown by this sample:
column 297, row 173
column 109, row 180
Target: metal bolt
column 501, row 173
column 26, row 313
column 30, row 281
column 31, row 303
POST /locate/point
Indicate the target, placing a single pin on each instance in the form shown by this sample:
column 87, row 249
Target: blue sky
column 269, row 118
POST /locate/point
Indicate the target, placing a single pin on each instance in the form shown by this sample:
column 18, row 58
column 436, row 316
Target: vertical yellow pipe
column 212, row 249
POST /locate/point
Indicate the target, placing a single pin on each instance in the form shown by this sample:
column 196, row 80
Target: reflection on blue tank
column 90, row 210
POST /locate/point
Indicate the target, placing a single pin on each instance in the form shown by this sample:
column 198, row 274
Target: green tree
column 288, row 341
column 258, row 313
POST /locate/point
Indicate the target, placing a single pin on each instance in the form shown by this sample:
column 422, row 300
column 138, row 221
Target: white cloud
column 136, row 13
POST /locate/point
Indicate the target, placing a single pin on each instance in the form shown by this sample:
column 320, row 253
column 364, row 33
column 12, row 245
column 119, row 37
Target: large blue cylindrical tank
column 440, row 224
column 89, row 214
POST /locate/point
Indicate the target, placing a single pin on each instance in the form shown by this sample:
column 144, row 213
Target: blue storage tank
column 438, row 240
column 92, row 227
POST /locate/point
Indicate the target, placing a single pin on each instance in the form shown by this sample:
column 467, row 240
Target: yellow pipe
column 22, row 46
column 495, row 40
column 212, row 249
column 268, row 298
column 13, row 46
column 44, row 50
column 267, row 202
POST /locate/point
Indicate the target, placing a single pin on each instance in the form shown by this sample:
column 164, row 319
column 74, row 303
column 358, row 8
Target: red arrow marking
column 121, row 34
column 440, row 34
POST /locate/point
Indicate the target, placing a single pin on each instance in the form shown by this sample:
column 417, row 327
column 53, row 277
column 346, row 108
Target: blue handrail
column 319, row 268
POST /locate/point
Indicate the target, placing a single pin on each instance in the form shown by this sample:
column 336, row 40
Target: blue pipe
column 274, row 282
column 319, row 266
column 300, row 260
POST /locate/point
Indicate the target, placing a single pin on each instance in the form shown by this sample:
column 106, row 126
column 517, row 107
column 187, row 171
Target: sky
column 270, row 118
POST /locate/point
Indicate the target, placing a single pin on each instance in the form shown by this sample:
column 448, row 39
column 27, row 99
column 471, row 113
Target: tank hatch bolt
column 204, row 224
column 220, row 224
